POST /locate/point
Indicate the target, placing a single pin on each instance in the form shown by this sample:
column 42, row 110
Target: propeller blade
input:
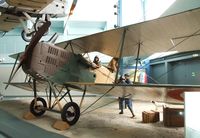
column 36, row 38
column 72, row 7
column 28, row 52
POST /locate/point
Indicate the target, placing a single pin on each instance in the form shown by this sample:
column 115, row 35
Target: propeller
column 72, row 7
column 70, row 12
column 28, row 52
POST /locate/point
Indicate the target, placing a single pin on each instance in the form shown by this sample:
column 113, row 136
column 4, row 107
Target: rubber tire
column 25, row 37
column 65, row 110
column 2, row 3
column 33, row 110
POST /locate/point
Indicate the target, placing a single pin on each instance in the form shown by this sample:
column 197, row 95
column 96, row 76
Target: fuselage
column 55, row 64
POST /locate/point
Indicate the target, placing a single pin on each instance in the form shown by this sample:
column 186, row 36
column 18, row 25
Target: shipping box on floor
column 173, row 117
column 150, row 116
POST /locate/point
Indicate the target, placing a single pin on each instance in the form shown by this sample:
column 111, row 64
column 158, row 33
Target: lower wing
column 144, row 92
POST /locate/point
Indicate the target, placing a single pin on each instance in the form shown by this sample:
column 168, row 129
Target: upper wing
column 164, row 34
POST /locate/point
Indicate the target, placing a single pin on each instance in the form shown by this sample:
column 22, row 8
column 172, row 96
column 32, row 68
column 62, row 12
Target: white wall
column 131, row 12
column 192, row 114
column 155, row 8
column 95, row 10
column 181, row 5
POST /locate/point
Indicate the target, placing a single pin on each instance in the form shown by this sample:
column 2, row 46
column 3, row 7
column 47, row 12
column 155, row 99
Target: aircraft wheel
column 3, row 3
column 38, row 24
column 26, row 37
column 70, row 113
column 39, row 108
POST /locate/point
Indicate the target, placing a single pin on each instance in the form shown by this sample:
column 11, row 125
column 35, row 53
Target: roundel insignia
column 177, row 94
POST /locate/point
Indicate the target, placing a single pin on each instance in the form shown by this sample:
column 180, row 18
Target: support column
column 137, row 60
column 121, row 52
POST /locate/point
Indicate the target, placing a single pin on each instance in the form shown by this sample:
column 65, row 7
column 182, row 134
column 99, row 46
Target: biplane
column 15, row 12
column 59, row 68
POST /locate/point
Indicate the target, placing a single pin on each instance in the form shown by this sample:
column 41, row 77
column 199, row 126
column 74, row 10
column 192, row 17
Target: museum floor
column 103, row 122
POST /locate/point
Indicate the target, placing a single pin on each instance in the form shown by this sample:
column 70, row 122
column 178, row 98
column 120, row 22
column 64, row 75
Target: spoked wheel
column 70, row 113
column 39, row 108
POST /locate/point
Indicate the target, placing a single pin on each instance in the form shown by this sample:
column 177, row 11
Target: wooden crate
column 150, row 116
column 173, row 117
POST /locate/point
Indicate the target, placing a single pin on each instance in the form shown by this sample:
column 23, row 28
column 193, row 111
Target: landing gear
column 38, row 106
column 27, row 36
column 70, row 113
column 28, row 33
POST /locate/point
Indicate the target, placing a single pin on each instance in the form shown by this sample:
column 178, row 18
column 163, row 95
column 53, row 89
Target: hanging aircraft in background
column 16, row 12
column 53, row 67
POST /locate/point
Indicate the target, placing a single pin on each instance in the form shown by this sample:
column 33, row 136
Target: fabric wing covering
column 177, row 32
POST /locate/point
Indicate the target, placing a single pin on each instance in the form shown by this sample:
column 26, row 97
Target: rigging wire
column 171, row 48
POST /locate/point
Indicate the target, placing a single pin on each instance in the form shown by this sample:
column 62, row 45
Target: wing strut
column 137, row 60
column 83, row 96
column 69, row 44
column 54, row 94
column 34, row 89
column 121, row 51
column 11, row 74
